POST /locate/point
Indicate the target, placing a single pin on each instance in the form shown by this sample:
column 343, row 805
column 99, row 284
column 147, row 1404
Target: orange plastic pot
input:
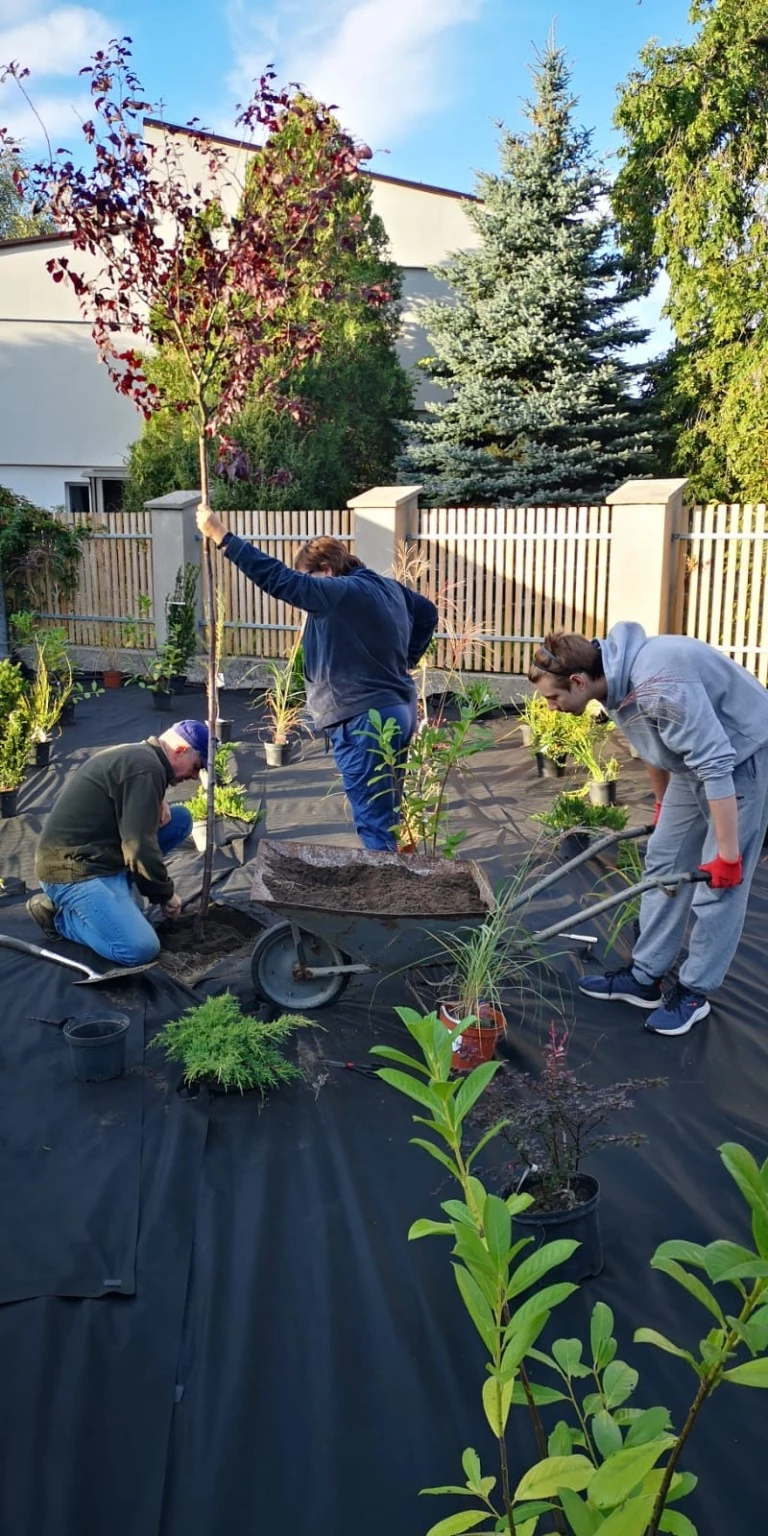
column 477, row 1043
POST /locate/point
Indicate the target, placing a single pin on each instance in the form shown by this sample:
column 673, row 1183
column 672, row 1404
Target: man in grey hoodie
column 700, row 723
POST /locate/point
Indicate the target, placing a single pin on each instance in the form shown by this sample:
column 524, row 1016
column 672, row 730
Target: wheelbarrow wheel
column 273, row 963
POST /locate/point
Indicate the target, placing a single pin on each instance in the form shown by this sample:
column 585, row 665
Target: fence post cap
column 638, row 493
column 175, row 501
column 384, row 496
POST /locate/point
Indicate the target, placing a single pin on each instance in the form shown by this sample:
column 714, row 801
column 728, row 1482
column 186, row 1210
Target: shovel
column 89, row 978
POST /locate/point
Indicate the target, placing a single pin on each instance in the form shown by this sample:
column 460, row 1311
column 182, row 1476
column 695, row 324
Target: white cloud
column 52, row 43
column 384, row 63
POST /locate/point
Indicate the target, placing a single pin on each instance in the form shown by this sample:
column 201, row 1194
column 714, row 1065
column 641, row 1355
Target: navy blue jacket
column 363, row 633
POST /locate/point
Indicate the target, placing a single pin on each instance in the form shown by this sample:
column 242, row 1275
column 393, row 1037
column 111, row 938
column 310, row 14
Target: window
column 112, row 495
column 78, row 496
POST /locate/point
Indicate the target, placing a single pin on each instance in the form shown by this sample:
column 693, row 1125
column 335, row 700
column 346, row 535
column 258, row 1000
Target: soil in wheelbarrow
column 388, row 890
column 228, row 934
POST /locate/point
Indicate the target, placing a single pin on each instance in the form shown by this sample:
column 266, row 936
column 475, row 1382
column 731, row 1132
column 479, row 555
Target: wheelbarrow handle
column 609, row 841
column 667, row 883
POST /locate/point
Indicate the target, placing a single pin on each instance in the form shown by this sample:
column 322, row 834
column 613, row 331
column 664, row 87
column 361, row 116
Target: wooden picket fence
column 115, row 572
column 722, row 582
column 503, row 576
column 256, row 624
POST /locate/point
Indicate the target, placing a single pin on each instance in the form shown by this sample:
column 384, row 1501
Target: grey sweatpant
column 683, row 839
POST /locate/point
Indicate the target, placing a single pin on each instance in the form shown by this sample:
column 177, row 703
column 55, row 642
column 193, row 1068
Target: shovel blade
column 123, row 974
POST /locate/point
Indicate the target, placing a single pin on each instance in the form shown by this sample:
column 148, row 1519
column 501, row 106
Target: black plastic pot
column 276, row 753
column 602, row 794
column 549, row 767
column 582, row 1223
column 574, row 842
column 9, row 802
column 67, row 716
column 178, row 682
column 224, row 730
column 163, row 698
column 97, row 1046
column 42, row 754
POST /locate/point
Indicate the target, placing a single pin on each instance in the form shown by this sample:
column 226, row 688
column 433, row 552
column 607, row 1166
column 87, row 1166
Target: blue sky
column 424, row 82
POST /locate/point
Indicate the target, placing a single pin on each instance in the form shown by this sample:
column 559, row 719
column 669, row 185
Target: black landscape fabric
column 278, row 1357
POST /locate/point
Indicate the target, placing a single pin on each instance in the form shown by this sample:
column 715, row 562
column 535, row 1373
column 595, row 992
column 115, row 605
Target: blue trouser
column 374, row 806
column 102, row 912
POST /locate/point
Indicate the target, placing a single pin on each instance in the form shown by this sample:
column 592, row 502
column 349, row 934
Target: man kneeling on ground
column 108, row 836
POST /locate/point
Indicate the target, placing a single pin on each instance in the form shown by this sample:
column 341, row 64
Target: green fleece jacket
column 106, row 820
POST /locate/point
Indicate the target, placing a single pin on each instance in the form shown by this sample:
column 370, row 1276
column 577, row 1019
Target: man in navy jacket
column 364, row 633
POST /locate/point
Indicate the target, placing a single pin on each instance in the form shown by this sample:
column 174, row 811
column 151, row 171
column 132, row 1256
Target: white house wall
column 59, row 414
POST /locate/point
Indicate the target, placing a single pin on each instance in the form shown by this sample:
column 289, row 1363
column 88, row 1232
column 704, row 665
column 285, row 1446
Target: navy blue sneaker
column 621, row 987
column 680, row 1010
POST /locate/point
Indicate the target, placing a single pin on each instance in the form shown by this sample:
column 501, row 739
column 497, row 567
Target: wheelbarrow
column 305, row 960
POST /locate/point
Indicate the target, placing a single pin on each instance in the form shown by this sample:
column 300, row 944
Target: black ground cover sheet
column 278, row 1358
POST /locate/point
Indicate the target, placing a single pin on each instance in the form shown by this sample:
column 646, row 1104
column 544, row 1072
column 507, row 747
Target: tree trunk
column 213, row 697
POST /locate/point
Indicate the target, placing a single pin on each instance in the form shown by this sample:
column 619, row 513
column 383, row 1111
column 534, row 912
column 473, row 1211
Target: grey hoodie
column 683, row 705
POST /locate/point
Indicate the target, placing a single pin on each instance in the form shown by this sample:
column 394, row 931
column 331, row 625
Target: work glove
column 657, row 812
column 724, row 873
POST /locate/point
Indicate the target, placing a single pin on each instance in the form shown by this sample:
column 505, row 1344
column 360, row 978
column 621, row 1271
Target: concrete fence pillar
column 384, row 518
column 644, row 564
column 174, row 545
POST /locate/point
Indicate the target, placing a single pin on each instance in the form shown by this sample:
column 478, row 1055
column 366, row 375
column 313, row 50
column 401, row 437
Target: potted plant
column 15, row 744
column 551, row 1124
column 533, row 713
column 157, row 674
column 575, row 819
column 42, row 704
column 229, row 802
column 590, row 750
column 181, row 622
column 11, row 688
column 284, row 702
column 222, row 1048
column 81, row 690
column 112, row 674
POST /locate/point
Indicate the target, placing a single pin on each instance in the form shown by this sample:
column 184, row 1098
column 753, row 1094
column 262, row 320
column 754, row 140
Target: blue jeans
column 102, row 912
column 375, row 806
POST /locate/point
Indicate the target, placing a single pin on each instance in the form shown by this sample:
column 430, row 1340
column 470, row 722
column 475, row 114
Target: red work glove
column 724, row 873
column 657, row 812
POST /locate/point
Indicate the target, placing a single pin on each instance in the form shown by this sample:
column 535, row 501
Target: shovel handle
column 7, row 942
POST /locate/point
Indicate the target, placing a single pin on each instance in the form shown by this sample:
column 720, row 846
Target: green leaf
column 412, row 1089
column 653, row 1422
column 755, row 1332
column 484, row 1140
column 437, row 1152
column 540, row 1263
column 684, row 1252
column 650, row 1336
column 518, row 1346
column 581, row 1519
column 458, row 1211
column 606, row 1434
column 545, row 1300
column 467, row 1520
column 619, row 1382
column 542, row 1396
column 618, row 1477
column 630, row 1520
column 691, row 1284
column 545, row 1479
column 470, row 1462
column 567, row 1353
column 426, row 1228
column 600, row 1326
column 746, row 1175
column 497, row 1226
column 683, row 1483
column 754, row 1373
column 497, row 1410
column 560, row 1442
column 477, row 1307
column 677, row 1524
column 391, row 1054
column 729, row 1261
column 474, row 1085
column 760, row 1232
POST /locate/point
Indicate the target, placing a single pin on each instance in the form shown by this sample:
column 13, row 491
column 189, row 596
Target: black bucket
column 67, row 716
column 223, row 730
column 582, row 1224
column 178, row 682
column 42, row 754
column 603, row 793
column 549, row 767
column 97, row 1046
column 9, row 802
column 163, row 698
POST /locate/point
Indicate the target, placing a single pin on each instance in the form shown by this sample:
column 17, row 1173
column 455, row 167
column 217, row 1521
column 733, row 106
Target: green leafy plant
column 158, row 670
column 39, row 554
column 420, row 775
column 228, row 796
column 11, row 688
column 535, row 720
column 553, row 1122
column 217, row 1042
column 589, row 736
column 492, row 958
column 570, row 811
column 614, row 1467
column 15, row 745
column 85, row 690
column 42, row 703
column 181, row 615
column 137, row 629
